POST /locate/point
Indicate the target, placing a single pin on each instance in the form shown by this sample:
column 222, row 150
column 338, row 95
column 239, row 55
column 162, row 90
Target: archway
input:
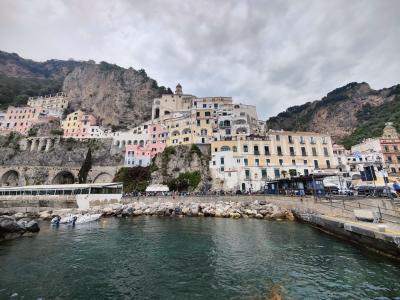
column 64, row 177
column 10, row 178
column 103, row 178
column 29, row 145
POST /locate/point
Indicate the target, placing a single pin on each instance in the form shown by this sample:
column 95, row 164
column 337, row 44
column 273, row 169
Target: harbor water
column 191, row 258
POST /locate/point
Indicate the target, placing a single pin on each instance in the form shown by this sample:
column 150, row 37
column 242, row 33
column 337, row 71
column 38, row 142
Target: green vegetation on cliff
column 372, row 121
column 135, row 179
column 187, row 181
column 15, row 91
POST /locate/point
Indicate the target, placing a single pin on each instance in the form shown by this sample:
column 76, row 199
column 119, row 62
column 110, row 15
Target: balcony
column 256, row 152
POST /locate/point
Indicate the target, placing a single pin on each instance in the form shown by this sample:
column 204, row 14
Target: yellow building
column 247, row 163
column 78, row 124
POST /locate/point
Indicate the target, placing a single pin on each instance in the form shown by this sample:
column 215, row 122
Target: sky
column 272, row 54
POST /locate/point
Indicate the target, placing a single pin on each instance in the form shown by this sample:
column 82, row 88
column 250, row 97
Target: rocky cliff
column 178, row 160
column 342, row 112
column 119, row 97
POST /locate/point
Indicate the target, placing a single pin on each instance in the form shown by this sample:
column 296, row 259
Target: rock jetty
column 255, row 209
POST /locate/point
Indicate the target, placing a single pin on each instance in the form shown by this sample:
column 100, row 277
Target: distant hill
column 117, row 96
column 349, row 114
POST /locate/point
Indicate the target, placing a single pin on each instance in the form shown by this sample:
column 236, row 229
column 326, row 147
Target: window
column 277, row 173
column 204, row 105
column 247, row 173
column 389, row 159
column 213, row 162
column 245, row 148
column 227, row 131
column 303, row 151
column 305, row 172
column 293, row 162
column 305, row 162
column 281, row 162
column 246, row 162
column 222, row 160
column 291, row 149
column 302, row 141
column 314, row 151
column 326, row 151
column 225, row 148
column 257, row 161
column 279, row 150
column 263, row 174
column 267, row 161
column 207, row 113
column 316, row 164
column 328, row 164
column 266, row 150
column 234, row 148
column 290, row 138
column 278, row 138
column 386, row 148
column 256, row 152
column 395, row 148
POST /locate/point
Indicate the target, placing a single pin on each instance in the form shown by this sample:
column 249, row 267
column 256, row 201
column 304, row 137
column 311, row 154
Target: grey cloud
column 272, row 54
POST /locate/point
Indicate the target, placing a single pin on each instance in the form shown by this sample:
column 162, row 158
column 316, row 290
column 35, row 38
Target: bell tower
column 178, row 90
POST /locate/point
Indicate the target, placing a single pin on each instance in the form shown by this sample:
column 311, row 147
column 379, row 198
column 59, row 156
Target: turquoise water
column 191, row 258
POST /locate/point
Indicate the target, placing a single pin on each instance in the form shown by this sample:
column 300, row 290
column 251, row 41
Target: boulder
column 32, row 226
column 46, row 215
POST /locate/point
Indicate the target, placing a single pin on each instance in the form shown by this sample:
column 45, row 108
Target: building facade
column 57, row 103
column 21, row 119
column 247, row 164
column 80, row 125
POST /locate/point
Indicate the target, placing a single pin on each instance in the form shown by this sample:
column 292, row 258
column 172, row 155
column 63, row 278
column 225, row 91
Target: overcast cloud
column 272, row 54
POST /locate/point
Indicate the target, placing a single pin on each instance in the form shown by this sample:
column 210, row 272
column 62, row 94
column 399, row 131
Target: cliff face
column 118, row 97
column 340, row 113
column 181, row 159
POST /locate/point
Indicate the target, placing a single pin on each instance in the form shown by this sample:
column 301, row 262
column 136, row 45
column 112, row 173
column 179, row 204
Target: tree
column 86, row 167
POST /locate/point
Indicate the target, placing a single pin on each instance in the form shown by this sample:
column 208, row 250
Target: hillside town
column 244, row 155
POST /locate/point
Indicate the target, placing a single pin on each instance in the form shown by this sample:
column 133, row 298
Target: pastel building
column 80, row 125
column 58, row 102
column 21, row 119
column 141, row 153
column 249, row 163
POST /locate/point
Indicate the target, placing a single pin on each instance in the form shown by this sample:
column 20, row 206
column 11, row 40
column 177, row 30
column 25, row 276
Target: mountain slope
column 117, row 96
column 348, row 113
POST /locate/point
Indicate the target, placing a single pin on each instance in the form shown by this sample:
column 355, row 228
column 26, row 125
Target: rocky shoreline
column 225, row 209
column 19, row 224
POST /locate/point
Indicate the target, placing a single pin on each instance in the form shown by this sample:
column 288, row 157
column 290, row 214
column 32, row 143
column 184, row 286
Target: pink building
column 142, row 154
column 21, row 119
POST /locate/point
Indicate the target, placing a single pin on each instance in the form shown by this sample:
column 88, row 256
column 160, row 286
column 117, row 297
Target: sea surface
column 191, row 258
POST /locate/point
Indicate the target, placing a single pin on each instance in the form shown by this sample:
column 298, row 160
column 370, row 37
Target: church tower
column 389, row 132
column 178, row 90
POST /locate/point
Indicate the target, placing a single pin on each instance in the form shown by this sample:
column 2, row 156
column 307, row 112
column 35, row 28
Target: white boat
column 87, row 218
column 79, row 219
